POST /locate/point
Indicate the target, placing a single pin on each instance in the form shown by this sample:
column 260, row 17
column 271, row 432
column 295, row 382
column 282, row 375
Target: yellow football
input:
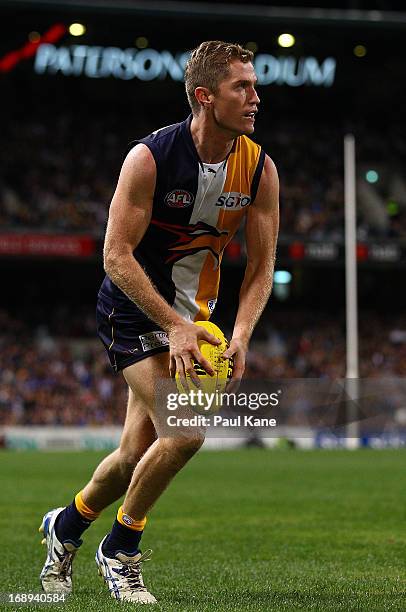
column 223, row 368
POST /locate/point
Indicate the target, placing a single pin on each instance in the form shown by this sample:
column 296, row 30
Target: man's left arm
column 261, row 234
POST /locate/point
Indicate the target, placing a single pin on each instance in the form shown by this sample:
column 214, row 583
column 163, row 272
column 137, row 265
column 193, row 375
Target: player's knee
column 187, row 444
column 190, row 444
column 128, row 459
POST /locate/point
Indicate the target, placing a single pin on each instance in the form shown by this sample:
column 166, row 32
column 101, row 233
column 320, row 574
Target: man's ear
column 203, row 96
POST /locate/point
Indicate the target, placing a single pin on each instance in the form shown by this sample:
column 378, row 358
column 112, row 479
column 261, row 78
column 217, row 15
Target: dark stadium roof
column 350, row 12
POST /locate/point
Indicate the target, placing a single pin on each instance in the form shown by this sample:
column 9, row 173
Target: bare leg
column 113, row 475
column 163, row 460
column 118, row 556
column 167, row 455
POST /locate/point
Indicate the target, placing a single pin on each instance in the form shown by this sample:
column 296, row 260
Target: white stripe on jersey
column 209, row 188
column 186, row 276
column 186, row 272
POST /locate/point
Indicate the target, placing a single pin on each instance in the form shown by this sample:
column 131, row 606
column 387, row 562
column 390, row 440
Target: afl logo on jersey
column 179, row 198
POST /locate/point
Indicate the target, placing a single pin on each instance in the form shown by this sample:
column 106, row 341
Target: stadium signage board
column 47, row 245
column 323, row 251
column 384, row 252
column 149, row 64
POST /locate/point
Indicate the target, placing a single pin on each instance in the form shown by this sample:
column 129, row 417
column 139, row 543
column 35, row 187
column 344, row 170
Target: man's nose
column 255, row 98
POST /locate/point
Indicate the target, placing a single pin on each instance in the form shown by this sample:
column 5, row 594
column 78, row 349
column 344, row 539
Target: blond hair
column 209, row 64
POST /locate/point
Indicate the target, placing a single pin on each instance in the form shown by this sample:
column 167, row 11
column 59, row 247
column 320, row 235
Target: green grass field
column 237, row 530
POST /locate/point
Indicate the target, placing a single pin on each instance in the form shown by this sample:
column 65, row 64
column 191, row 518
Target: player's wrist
column 174, row 324
column 241, row 338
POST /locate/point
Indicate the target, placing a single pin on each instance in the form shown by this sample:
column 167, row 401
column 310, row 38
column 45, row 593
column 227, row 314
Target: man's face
column 236, row 101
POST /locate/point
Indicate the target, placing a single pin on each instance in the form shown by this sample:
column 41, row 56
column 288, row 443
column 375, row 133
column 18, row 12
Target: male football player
column 182, row 193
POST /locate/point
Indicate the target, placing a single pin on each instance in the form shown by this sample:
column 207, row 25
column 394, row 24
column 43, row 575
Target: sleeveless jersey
column 196, row 211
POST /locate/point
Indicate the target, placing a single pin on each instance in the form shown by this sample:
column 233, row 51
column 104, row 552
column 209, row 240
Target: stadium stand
column 59, row 174
column 49, row 379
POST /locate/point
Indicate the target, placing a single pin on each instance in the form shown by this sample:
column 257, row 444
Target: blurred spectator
column 60, row 173
column 54, row 381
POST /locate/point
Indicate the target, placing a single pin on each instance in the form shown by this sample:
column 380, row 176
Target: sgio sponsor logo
column 233, row 200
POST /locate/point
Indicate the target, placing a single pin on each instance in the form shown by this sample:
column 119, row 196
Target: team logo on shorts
column 179, row 198
column 153, row 340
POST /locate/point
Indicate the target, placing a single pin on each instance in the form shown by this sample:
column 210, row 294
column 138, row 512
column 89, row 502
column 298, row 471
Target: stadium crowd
column 59, row 174
column 46, row 379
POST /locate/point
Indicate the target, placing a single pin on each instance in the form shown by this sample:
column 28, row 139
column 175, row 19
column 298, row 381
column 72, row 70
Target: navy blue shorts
column 127, row 334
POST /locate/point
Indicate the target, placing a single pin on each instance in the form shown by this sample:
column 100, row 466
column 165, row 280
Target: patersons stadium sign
column 149, row 64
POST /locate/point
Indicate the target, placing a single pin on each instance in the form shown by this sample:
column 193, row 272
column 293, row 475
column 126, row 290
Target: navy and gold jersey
column 197, row 208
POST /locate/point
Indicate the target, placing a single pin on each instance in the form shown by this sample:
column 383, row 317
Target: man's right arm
column 129, row 217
